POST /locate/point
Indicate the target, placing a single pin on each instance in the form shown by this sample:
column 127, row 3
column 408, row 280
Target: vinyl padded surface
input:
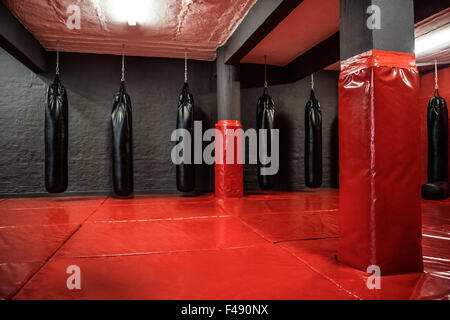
column 264, row 246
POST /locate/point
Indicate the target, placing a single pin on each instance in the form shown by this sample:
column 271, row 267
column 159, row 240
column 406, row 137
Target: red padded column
column 229, row 173
column 379, row 152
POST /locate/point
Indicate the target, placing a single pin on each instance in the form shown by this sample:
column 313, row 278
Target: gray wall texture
column 91, row 81
column 154, row 85
column 290, row 101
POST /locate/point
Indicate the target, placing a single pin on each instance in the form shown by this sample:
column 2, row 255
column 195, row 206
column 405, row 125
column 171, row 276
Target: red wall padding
column 379, row 134
column 426, row 92
column 229, row 177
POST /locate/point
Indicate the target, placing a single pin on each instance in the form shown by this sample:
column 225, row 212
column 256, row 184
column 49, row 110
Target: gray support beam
column 327, row 52
column 20, row 43
column 262, row 18
column 228, row 89
column 355, row 39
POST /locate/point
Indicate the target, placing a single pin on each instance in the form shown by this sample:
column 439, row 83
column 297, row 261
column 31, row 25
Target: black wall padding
column 185, row 173
column 265, row 119
column 437, row 121
column 313, row 143
column 122, row 143
column 56, row 138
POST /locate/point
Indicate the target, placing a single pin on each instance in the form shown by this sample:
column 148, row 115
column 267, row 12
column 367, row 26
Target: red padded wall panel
column 379, row 133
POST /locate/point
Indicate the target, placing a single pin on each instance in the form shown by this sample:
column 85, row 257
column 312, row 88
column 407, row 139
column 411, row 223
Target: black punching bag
column 313, row 143
column 265, row 119
column 122, row 143
column 56, row 138
column 185, row 120
column 437, row 123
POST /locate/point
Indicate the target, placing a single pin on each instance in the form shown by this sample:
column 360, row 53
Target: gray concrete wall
column 91, row 81
column 154, row 85
column 290, row 101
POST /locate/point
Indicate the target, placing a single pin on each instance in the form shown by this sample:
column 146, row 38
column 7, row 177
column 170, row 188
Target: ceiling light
column 132, row 11
column 435, row 40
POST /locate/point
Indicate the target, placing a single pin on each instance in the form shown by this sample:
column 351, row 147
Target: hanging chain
column 123, row 63
column 265, row 71
column 435, row 75
column 57, row 57
column 185, row 67
column 312, row 81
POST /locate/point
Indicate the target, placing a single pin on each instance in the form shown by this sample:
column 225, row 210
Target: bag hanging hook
column 123, row 63
column 265, row 71
column 312, row 81
column 185, row 67
column 57, row 57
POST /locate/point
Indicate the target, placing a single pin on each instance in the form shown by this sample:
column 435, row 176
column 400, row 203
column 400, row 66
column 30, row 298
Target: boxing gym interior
column 120, row 180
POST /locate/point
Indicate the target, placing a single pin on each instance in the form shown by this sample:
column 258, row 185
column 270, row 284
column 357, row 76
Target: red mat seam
column 46, row 261
column 43, row 208
column 247, row 225
column 311, row 211
column 254, row 230
column 301, row 239
column 320, row 273
column 37, row 225
column 267, row 206
column 301, row 212
column 276, row 242
column 158, row 201
column 256, row 200
column 157, row 219
column 116, row 255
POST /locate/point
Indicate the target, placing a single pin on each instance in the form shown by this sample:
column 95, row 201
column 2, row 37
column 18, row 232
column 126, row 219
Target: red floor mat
column 44, row 216
column 261, row 272
column 123, row 238
column 54, row 202
column 244, row 206
column 24, row 250
column 324, row 193
column 308, row 203
column 293, row 226
column 32, row 244
column 155, row 210
column 436, row 252
column 170, row 247
column 14, row 275
column 144, row 199
column 436, row 213
column 320, row 255
column 276, row 202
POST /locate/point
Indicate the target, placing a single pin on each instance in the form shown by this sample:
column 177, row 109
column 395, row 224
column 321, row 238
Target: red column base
column 229, row 177
column 379, row 152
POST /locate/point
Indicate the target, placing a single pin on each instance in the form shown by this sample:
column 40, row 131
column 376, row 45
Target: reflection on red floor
column 264, row 246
